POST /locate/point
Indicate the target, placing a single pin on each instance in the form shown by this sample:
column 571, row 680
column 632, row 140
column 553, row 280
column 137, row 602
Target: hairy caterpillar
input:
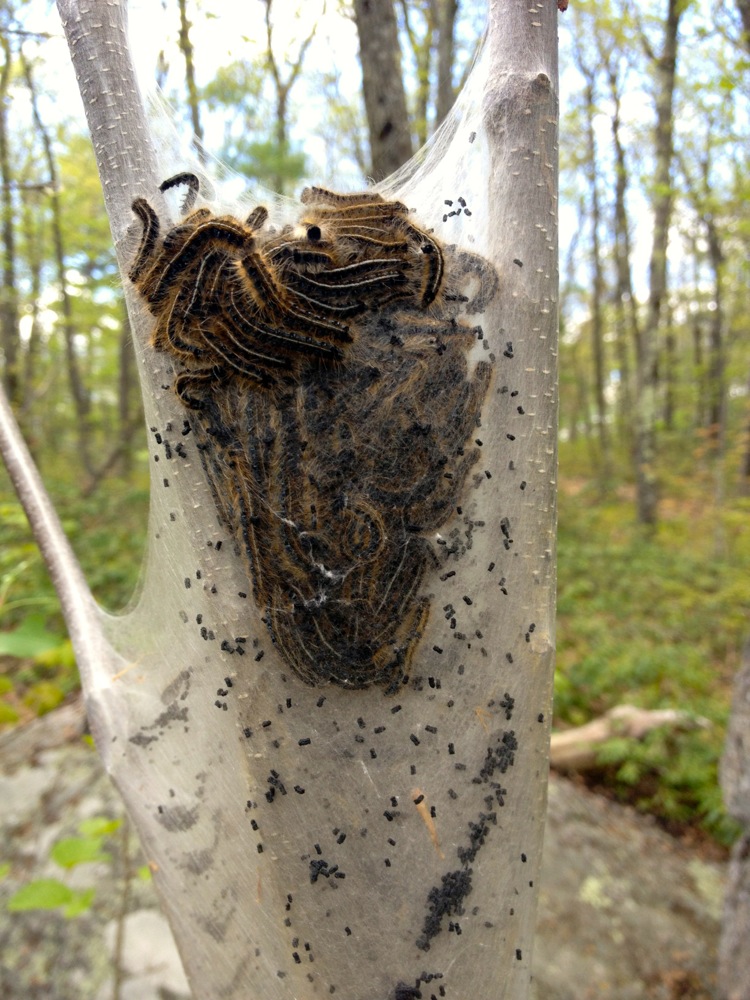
column 325, row 369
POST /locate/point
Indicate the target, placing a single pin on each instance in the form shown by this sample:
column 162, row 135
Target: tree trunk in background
column 186, row 48
column 78, row 390
column 710, row 381
column 625, row 307
column 589, row 68
column 8, row 291
column 743, row 6
column 582, row 412
column 745, row 462
column 597, row 292
column 626, row 312
column 697, row 358
column 422, row 52
column 715, row 335
column 669, row 364
column 31, row 229
column 446, row 14
column 665, row 68
column 382, row 85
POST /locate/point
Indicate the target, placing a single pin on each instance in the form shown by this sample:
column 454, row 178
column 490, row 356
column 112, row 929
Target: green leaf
column 8, row 714
column 29, row 640
column 80, row 903
column 4, row 869
column 99, row 826
column 61, row 655
column 42, row 894
column 43, row 697
column 74, row 851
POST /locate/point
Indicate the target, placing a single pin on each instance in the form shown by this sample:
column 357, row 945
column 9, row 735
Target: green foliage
column 43, row 697
column 67, row 853
column 265, row 161
column 30, row 639
column 8, row 714
column 51, row 894
column 37, row 665
column 40, row 668
column 251, row 144
column 74, row 851
column 672, row 775
column 656, row 622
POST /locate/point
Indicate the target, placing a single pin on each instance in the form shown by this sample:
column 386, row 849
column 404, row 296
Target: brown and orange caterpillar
column 326, row 372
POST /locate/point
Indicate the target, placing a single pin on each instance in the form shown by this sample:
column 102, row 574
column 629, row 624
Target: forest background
column 654, row 502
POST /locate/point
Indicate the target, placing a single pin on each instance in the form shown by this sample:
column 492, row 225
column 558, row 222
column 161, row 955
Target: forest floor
column 626, row 911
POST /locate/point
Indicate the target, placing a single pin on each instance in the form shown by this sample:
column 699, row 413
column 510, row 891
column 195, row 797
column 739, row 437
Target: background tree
column 594, row 215
column 9, row 291
column 385, row 100
column 446, row 21
column 256, row 115
column 665, row 70
column 282, row 87
column 186, row 48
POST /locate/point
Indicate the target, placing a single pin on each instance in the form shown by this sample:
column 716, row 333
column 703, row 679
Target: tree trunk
column 698, row 359
column 647, row 386
column 626, row 312
column 33, row 237
column 8, row 290
column 715, row 374
column 743, row 6
column 593, row 213
column 78, row 390
column 745, row 460
column 383, row 86
column 597, row 290
column 446, row 20
column 669, row 377
column 347, row 840
column 186, row 47
column 422, row 52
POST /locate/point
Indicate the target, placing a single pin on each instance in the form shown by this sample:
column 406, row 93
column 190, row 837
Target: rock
column 625, row 911
column 734, row 951
column 149, row 962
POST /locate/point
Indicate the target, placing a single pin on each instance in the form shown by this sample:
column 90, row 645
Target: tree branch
column 77, row 603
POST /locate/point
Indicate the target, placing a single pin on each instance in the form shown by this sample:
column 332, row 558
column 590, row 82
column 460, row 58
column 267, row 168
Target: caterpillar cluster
column 325, row 369
column 226, row 295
